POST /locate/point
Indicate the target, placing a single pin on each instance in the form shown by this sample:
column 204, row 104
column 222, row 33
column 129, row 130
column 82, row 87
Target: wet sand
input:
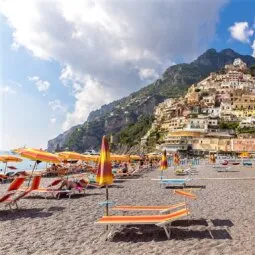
column 223, row 219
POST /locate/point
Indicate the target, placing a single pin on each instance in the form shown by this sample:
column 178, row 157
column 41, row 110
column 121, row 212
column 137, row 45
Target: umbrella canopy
column 38, row 155
column 104, row 172
column 134, row 157
column 9, row 158
column 163, row 163
column 70, row 155
column 119, row 157
column 90, row 158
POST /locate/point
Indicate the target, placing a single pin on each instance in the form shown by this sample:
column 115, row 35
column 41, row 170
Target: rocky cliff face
column 118, row 115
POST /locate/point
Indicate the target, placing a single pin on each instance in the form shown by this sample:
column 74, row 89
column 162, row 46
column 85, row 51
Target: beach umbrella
column 9, row 158
column 37, row 156
column 176, row 159
column 134, row 157
column 70, row 155
column 119, row 157
column 104, row 172
column 163, row 163
column 90, row 158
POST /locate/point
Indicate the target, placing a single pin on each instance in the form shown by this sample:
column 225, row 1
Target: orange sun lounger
column 162, row 220
column 36, row 189
column 160, row 208
column 14, row 186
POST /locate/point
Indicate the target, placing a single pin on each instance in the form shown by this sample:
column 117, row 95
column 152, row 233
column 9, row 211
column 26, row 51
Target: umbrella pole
column 32, row 173
column 5, row 168
column 107, row 197
column 107, row 205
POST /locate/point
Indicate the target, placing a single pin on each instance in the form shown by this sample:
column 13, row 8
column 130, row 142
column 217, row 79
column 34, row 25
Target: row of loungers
column 15, row 192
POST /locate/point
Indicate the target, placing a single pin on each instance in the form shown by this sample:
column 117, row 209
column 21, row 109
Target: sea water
column 25, row 165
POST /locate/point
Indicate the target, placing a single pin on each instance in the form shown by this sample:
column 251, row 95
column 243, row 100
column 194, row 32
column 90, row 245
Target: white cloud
column 148, row 74
column 53, row 120
column 56, row 105
column 88, row 98
column 240, row 31
column 104, row 46
column 7, row 90
column 41, row 85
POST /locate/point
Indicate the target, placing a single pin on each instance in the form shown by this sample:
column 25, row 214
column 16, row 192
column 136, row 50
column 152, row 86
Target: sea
column 25, row 165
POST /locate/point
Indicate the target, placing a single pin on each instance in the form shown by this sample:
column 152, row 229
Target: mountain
column 130, row 118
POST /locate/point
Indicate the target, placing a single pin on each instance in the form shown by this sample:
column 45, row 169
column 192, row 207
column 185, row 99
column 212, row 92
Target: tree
column 252, row 70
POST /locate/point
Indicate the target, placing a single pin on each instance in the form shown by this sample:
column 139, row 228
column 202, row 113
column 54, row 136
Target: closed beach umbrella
column 9, row 158
column 163, row 163
column 38, row 156
column 176, row 159
column 104, row 172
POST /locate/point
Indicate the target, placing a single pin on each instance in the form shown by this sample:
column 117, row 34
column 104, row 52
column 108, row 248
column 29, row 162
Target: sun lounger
column 174, row 181
column 159, row 208
column 13, row 187
column 185, row 194
column 162, row 220
column 49, row 190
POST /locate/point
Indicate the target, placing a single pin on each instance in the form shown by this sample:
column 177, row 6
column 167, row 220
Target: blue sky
column 60, row 60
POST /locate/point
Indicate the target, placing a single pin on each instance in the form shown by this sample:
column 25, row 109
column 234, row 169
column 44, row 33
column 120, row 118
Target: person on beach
column 73, row 184
column 125, row 169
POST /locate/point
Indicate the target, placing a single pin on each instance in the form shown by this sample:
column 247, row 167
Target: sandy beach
column 222, row 221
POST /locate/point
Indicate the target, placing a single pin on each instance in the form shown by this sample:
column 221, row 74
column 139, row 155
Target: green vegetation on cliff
column 131, row 134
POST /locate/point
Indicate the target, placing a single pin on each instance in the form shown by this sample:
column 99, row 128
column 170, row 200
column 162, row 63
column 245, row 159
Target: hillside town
column 216, row 115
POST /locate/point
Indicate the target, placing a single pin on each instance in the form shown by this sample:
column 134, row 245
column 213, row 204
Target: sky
column 61, row 59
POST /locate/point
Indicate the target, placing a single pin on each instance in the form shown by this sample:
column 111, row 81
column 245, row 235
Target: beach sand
column 223, row 219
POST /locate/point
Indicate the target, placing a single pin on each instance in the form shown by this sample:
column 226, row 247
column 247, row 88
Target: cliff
column 127, row 114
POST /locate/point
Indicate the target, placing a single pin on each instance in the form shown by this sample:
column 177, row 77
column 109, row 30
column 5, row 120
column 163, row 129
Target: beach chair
column 49, row 190
column 161, row 220
column 159, row 208
column 13, row 187
column 175, row 181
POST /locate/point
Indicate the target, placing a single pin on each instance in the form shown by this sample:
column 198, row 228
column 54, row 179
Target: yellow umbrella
column 104, row 172
column 135, row 157
column 9, row 158
column 90, row 158
column 119, row 157
column 37, row 155
column 70, row 155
